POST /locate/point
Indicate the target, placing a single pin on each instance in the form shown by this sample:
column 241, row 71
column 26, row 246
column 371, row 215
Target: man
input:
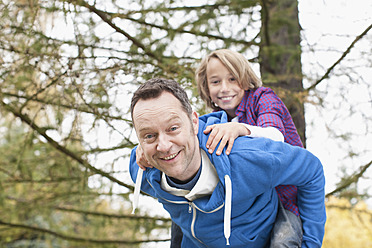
column 218, row 200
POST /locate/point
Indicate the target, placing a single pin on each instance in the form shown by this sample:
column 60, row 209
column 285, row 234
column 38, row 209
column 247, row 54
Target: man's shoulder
column 214, row 117
column 248, row 145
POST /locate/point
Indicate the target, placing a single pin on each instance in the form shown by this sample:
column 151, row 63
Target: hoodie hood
column 221, row 162
column 222, row 165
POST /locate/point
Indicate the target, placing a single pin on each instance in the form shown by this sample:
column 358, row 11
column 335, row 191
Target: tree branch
column 330, row 69
column 42, row 181
column 351, row 179
column 105, row 18
column 66, row 106
column 62, row 149
column 41, row 90
column 104, row 15
column 77, row 239
column 202, row 34
column 121, row 216
column 73, row 43
column 181, row 8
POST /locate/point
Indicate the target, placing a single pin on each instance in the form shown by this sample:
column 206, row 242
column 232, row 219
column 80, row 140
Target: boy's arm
column 226, row 133
column 265, row 132
column 133, row 170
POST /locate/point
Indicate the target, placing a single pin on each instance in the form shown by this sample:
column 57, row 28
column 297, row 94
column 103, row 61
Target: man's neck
column 188, row 185
column 204, row 185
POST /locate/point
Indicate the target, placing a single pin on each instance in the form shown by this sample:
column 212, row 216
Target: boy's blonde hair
column 237, row 65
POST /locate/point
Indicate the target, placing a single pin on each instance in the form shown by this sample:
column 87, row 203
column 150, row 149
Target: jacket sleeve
column 301, row 168
column 277, row 163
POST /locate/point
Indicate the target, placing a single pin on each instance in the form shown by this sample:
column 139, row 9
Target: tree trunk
column 280, row 56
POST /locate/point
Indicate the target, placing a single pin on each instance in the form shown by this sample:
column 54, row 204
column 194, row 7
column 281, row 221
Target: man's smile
column 172, row 156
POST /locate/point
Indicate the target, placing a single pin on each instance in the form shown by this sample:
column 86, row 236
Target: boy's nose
column 224, row 85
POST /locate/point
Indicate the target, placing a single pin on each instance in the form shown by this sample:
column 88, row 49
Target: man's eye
column 173, row 128
column 149, row 136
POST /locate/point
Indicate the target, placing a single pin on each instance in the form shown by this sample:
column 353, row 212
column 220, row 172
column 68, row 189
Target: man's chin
column 174, row 174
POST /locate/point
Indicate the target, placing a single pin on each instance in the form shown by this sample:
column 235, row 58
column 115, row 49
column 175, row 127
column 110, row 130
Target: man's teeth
column 170, row 157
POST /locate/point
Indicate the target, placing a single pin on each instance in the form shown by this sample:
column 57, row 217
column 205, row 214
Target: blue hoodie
column 244, row 202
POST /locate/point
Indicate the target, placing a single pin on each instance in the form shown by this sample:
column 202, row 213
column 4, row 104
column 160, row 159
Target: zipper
column 192, row 209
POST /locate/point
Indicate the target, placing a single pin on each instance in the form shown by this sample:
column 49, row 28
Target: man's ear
column 195, row 122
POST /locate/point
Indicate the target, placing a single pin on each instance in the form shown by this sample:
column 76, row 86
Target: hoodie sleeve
column 277, row 163
column 301, row 168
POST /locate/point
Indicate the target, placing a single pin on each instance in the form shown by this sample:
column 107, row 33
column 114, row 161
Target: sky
column 335, row 24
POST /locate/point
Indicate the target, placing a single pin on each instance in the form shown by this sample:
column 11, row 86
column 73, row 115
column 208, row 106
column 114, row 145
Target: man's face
column 167, row 136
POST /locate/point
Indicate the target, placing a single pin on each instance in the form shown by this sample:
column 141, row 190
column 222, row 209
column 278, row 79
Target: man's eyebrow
column 173, row 116
column 174, row 119
column 145, row 129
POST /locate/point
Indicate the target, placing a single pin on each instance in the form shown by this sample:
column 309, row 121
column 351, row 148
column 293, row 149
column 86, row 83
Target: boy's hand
column 226, row 133
column 141, row 160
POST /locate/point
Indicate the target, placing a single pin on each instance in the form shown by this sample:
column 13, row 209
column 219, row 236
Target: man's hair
column 153, row 88
column 237, row 65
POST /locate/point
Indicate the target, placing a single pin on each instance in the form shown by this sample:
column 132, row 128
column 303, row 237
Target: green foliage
column 67, row 72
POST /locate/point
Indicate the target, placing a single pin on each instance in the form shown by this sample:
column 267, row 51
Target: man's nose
column 164, row 143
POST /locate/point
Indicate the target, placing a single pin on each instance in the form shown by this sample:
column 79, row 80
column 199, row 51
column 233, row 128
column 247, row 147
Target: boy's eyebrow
column 216, row 76
column 212, row 77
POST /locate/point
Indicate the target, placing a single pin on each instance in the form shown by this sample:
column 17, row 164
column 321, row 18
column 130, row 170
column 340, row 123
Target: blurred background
column 67, row 73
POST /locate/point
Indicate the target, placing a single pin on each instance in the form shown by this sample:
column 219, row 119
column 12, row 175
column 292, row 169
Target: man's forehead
column 153, row 121
column 164, row 99
column 166, row 106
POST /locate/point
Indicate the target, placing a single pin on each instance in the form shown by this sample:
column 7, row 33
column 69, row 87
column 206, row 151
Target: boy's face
column 167, row 136
column 223, row 88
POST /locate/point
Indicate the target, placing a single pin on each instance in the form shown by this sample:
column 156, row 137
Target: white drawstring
column 137, row 189
column 227, row 218
column 228, row 201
